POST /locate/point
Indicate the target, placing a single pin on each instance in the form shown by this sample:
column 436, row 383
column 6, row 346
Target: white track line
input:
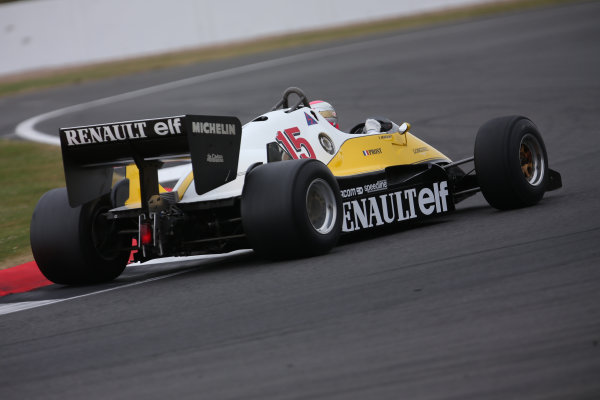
column 10, row 308
column 27, row 130
column 26, row 305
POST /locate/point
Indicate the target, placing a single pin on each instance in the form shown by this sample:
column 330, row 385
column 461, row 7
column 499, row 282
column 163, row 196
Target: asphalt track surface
column 479, row 305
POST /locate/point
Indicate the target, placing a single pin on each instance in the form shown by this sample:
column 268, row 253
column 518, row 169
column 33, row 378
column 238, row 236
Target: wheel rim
column 320, row 206
column 532, row 159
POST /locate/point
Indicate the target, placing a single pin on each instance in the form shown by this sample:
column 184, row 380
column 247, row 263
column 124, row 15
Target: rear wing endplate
column 91, row 152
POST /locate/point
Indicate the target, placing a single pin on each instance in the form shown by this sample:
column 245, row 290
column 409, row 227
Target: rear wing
column 91, row 152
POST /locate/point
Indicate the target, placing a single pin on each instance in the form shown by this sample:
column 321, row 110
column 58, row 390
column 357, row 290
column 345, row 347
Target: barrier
column 41, row 34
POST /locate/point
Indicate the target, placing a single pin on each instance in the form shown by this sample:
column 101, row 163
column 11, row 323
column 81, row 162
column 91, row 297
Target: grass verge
column 28, row 171
column 50, row 78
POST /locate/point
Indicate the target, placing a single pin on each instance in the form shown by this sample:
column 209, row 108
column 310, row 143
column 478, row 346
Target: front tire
column 76, row 245
column 511, row 162
column 291, row 209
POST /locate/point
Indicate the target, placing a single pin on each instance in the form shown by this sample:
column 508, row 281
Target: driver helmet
column 326, row 110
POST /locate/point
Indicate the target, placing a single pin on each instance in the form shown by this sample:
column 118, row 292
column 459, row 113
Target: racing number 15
column 298, row 147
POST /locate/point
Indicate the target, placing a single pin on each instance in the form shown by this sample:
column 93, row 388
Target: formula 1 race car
column 287, row 184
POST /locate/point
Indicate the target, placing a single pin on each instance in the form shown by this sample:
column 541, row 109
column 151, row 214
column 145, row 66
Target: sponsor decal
column 213, row 128
column 420, row 150
column 121, row 132
column 385, row 137
column 394, row 207
column 214, row 158
column 310, row 120
column 295, row 145
column 372, row 152
column 326, row 143
column 368, row 188
column 376, row 187
column 351, row 192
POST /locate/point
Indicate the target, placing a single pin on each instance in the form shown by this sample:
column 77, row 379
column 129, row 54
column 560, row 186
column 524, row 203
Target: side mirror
column 403, row 128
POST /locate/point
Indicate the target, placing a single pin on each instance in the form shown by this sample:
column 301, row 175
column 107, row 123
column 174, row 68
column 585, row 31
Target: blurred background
column 36, row 34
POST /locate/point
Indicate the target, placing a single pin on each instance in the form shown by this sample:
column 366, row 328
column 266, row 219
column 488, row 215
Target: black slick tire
column 291, row 209
column 511, row 162
column 75, row 245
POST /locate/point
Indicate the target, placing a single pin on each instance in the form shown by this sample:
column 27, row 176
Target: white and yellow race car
column 287, row 184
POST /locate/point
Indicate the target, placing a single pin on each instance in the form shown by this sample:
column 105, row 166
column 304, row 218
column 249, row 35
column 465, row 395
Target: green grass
column 28, row 171
column 73, row 75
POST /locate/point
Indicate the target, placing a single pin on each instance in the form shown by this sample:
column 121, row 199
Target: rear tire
column 76, row 246
column 511, row 162
column 291, row 209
